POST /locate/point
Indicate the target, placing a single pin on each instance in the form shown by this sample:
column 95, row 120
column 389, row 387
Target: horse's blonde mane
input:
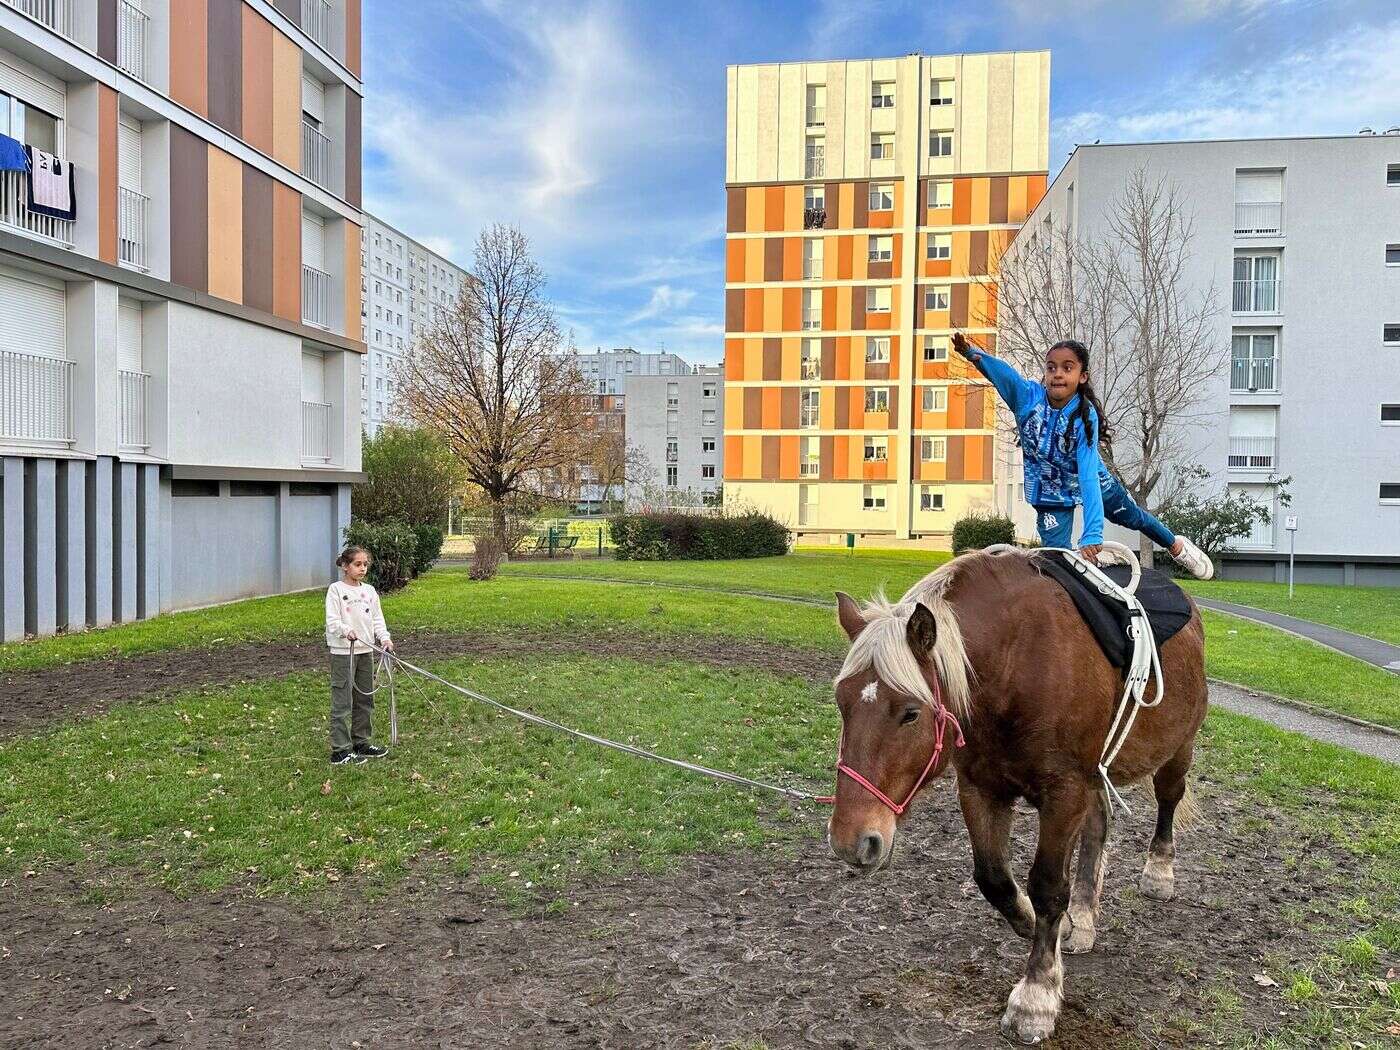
column 884, row 644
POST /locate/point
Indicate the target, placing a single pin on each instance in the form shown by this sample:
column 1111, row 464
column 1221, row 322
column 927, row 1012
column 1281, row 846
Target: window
column 877, row 300
column 707, row 390
column 940, row 93
column 707, row 417
column 935, row 399
column 940, row 245
column 673, row 395
column 707, row 470
column 935, row 348
column 937, row 297
column 930, row 498
column 877, row 350
column 812, row 255
column 810, row 406
column 816, row 157
column 1390, row 415
column 881, row 249
column 816, row 105
column 933, row 449
column 882, row 94
column 1392, row 174
column 1391, row 333
column 809, row 463
column 811, row 359
column 672, row 477
column 31, row 125
column 881, row 146
column 1253, row 361
column 877, row 449
column 811, row 308
column 673, row 423
column 707, row 445
column 877, row 399
column 1256, row 284
column 1392, row 254
column 1390, row 492
column 940, row 193
column 882, row 197
column 873, row 497
column 814, row 198
column 940, row 143
column 673, row 450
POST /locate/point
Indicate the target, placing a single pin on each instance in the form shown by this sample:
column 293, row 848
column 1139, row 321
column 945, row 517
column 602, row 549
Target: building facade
column 403, row 286
column 1298, row 239
column 181, row 350
column 868, row 203
column 677, row 423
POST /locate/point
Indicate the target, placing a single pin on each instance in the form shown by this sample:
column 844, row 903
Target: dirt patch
column 36, row 699
column 779, row 945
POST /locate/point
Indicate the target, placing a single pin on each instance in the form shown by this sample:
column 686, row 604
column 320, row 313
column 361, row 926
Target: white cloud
column 1058, row 11
column 664, row 299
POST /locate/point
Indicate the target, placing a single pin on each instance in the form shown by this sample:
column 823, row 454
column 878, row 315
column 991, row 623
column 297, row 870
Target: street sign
column 1290, row 522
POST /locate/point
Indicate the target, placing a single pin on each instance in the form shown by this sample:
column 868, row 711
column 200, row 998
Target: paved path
column 1371, row 650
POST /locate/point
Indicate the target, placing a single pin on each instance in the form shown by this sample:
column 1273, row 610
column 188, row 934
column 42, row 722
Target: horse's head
column 893, row 723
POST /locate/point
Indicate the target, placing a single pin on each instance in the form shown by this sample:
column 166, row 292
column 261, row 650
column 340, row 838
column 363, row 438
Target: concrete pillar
column 284, row 535
column 147, row 540
column 167, row 545
column 71, row 540
column 40, row 549
column 1349, row 574
column 97, row 537
column 11, row 549
column 342, row 522
column 124, row 542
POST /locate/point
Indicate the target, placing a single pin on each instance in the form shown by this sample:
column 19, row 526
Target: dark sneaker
column 345, row 757
column 364, row 751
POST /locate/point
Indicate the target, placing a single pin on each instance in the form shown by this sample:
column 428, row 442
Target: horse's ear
column 922, row 631
column 848, row 615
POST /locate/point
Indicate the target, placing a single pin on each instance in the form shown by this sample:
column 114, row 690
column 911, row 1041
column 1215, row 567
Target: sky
column 597, row 126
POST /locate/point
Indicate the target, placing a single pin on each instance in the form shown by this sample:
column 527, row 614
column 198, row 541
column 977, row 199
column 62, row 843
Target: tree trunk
column 498, row 524
column 1145, row 551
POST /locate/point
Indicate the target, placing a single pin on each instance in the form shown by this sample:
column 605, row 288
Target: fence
column 316, row 21
column 1259, row 219
column 1259, row 374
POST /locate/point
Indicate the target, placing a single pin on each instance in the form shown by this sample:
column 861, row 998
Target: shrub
column 411, row 477
column 976, row 531
column 392, row 547
column 1213, row 517
column 666, row 535
column 486, row 558
column 427, row 547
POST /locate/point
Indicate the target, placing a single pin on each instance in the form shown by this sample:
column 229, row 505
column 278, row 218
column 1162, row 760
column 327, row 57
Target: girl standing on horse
column 1060, row 423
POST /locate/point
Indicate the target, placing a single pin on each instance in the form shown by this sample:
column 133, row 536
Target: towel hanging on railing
column 12, row 155
column 51, row 185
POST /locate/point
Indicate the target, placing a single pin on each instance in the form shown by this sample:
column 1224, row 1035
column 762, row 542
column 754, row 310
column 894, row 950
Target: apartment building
column 180, row 352
column 403, row 286
column 868, row 203
column 677, row 423
column 1299, row 241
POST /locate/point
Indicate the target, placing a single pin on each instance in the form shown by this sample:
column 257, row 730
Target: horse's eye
column 910, row 714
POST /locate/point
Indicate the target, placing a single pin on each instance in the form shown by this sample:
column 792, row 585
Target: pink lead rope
column 944, row 717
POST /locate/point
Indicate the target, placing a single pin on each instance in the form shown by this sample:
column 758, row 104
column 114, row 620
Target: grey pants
column 352, row 708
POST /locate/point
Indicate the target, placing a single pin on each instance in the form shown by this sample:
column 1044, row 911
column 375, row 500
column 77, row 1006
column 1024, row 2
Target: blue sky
column 598, row 127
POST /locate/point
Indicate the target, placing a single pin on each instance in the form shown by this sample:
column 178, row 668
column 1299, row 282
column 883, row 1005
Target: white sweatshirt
column 353, row 609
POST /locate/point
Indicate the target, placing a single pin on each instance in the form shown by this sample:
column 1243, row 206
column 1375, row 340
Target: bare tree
column 1152, row 336
column 615, row 464
column 488, row 376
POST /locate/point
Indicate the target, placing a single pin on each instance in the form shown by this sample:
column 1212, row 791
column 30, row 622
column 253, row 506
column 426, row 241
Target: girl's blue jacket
column 1055, row 479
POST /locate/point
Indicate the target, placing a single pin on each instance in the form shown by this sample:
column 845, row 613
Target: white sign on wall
column 1290, row 523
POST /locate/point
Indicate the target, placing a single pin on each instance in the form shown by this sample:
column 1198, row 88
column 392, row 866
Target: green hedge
column 976, row 531
column 676, row 535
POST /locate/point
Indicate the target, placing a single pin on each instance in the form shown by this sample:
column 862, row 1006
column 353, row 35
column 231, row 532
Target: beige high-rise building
column 868, row 203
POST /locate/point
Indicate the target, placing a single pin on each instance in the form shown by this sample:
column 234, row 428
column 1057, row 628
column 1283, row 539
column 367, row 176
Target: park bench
column 561, row 542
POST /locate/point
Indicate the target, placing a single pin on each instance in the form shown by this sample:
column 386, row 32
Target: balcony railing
column 1259, row 220
column 1257, row 376
column 816, row 116
column 1260, row 535
column 1256, row 297
column 816, row 164
column 810, row 468
column 1253, row 453
column 809, row 416
column 131, row 401
column 315, row 297
column 131, row 227
column 35, row 398
column 315, row 155
column 811, row 322
column 316, row 21
column 15, row 213
column 315, row 432
column 56, row 14
column 131, row 39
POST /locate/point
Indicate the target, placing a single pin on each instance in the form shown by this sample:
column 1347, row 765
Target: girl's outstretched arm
column 1087, row 460
column 1013, row 387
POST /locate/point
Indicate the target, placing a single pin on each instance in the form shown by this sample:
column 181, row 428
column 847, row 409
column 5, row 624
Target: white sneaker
column 1193, row 560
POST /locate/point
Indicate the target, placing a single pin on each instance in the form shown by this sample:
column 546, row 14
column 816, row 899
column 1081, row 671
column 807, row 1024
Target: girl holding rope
column 1060, row 424
column 353, row 616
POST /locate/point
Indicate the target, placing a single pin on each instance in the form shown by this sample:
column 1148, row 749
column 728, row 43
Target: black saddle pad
column 1168, row 608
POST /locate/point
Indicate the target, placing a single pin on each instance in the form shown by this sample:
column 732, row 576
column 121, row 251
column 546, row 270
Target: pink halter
column 944, row 716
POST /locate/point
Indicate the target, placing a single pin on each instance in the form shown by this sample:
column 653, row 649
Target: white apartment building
column 677, row 423
column 403, row 286
column 179, row 303
column 1299, row 238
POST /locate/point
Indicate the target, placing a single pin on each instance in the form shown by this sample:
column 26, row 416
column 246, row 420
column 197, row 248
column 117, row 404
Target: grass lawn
column 1373, row 611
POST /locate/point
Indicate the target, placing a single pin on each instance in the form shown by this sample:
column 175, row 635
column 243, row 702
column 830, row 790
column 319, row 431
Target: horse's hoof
column 1080, row 940
column 1030, row 1013
column 1157, row 886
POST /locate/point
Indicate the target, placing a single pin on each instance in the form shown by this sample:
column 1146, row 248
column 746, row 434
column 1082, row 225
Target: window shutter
column 313, row 97
column 129, row 336
column 129, row 154
column 32, row 315
column 1258, row 187
column 313, row 247
column 313, row 378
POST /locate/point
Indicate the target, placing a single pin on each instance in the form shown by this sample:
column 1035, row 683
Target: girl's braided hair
column 1087, row 397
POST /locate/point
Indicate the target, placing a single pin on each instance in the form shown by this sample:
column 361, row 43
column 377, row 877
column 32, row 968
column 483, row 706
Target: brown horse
column 1003, row 649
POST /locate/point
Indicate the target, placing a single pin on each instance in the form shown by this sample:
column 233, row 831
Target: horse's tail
column 1188, row 810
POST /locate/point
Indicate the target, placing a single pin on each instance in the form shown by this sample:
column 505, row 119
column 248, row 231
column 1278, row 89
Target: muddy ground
column 778, row 945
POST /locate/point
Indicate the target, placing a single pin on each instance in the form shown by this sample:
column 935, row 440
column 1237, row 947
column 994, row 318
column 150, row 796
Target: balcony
column 811, row 322
column 131, row 405
column 1258, row 376
column 1256, row 297
column 810, row 415
column 56, row 14
column 811, row 368
column 813, row 218
column 316, row 297
column 316, row 21
column 131, row 39
column 816, row 116
column 316, row 156
column 15, row 213
column 1259, row 219
column 315, row 432
column 131, row 227
column 35, row 399
column 810, row 468
column 1253, row 453
column 816, row 164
